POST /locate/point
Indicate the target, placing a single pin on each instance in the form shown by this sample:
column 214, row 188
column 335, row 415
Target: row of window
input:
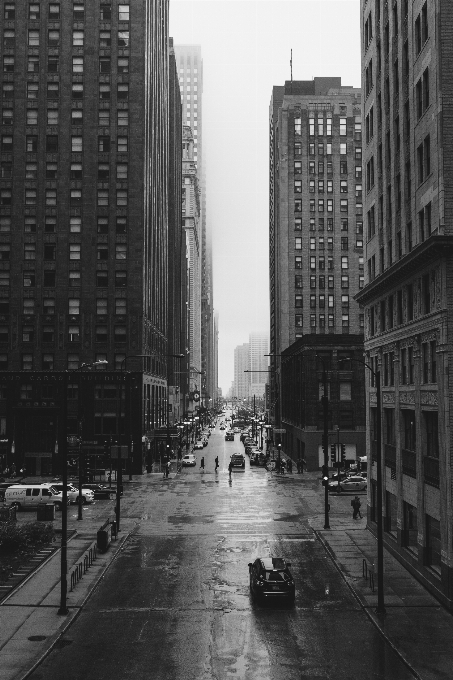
column 29, row 307
column 320, row 244
column 322, row 262
column 327, row 205
column 320, row 300
column 329, row 223
column 76, row 171
column 75, row 197
column 323, row 126
column 319, row 321
column 329, row 168
column 50, row 226
column 408, row 364
column 319, row 187
column 52, row 144
column 28, row 362
column 53, row 64
column 53, row 118
column 73, row 332
column 78, row 38
column 322, row 149
column 320, row 281
column 53, row 12
column 53, row 92
column 400, row 307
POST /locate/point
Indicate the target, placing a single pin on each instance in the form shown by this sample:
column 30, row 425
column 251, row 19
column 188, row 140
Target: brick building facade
column 83, row 203
column 407, row 299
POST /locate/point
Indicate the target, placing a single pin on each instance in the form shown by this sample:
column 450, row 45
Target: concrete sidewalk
column 417, row 626
column 29, row 620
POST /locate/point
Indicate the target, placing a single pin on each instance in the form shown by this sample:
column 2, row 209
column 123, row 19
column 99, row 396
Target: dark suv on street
column 270, row 577
column 238, row 460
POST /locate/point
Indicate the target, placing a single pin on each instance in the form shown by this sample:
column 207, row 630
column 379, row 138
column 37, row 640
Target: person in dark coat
column 216, row 460
column 356, row 507
column 202, row 463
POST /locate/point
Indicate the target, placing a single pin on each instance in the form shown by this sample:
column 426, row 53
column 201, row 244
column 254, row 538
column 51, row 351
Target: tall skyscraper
column 192, row 227
column 259, row 363
column 407, row 89
column 241, row 364
column 190, row 66
column 316, row 255
column 83, row 222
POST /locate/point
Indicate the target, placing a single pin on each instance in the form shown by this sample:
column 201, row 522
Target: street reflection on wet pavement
column 176, row 603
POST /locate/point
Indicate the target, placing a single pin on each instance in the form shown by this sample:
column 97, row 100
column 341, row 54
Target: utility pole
column 325, row 403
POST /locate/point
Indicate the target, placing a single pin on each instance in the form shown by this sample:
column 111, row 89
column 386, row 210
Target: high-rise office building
column 259, row 363
column 241, row 364
column 83, row 225
column 192, row 227
column 407, row 88
column 190, row 66
column 316, row 248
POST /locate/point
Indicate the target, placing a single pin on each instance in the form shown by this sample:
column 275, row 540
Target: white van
column 24, row 496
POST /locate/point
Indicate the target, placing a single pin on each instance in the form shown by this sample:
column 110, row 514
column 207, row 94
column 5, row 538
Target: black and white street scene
column 226, row 268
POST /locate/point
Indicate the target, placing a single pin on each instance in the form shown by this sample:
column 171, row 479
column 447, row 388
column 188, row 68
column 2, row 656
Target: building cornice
column 435, row 247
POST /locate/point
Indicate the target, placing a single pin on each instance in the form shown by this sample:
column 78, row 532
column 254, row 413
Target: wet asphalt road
column 175, row 605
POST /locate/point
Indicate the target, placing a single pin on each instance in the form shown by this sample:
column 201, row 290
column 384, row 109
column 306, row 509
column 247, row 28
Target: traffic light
column 333, row 452
column 343, row 453
column 325, row 475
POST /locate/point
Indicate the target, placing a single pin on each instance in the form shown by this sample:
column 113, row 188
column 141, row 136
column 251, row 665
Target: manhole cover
column 37, row 638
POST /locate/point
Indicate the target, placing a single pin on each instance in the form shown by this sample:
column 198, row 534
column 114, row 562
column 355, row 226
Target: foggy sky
column 246, row 48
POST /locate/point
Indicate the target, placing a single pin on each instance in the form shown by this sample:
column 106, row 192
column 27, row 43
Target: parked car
column 189, row 460
column 100, row 491
column 238, row 460
column 198, row 445
column 222, row 427
column 29, row 496
column 355, row 483
column 229, row 436
column 205, row 441
column 270, row 578
column 73, row 493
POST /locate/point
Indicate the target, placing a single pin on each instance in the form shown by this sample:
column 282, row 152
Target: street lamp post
column 101, row 362
column 380, row 609
column 63, row 609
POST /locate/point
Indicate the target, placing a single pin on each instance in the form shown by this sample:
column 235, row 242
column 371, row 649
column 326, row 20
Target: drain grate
column 37, row 638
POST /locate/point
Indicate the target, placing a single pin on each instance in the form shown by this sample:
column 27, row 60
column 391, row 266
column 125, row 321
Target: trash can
column 45, row 512
column 8, row 514
column 104, row 537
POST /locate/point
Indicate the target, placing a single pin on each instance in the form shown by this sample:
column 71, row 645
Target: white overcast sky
column 246, row 48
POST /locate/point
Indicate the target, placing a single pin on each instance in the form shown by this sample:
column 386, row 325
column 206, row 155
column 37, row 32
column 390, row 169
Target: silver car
column 355, row 483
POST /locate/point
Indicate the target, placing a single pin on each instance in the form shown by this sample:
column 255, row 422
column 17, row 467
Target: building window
column 120, row 279
column 49, row 306
column 74, row 251
column 52, row 117
column 77, row 38
column 104, row 92
column 298, row 243
column 120, row 251
column 74, row 333
column 74, row 306
column 102, row 251
column 122, row 145
column 123, row 117
column 123, row 39
column 76, row 197
column 102, row 280
column 104, row 39
column 120, row 334
column 29, row 306
column 123, row 65
column 123, row 92
column 29, row 251
column 74, row 279
column 27, row 362
column 76, row 144
column 433, row 537
column 51, row 197
column 103, row 197
column 121, row 198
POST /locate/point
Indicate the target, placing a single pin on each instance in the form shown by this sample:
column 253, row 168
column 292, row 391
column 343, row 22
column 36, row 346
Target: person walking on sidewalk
column 290, row 465
column 230, row 468
column 356, row 507
column 216, row 460
column 202, row 463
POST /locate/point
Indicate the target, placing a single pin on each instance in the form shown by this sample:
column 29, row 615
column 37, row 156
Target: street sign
column 279, row 430
column 120, row 452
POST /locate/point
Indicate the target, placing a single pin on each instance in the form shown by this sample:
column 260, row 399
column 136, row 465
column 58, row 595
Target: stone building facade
column 316, row 216
column 407, row 298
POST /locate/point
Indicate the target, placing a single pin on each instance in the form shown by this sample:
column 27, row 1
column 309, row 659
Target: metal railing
column 368, row 573
column 85, row 562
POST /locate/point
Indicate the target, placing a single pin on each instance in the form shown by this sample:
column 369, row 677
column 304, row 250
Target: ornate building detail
column 407, row 397
column 429, row 398
column 388, row 397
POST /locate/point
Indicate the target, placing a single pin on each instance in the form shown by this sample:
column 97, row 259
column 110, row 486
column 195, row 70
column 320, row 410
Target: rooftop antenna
column 291, row 64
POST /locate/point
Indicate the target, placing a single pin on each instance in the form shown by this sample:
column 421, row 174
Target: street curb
column 75, row 613
column 366, row 610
